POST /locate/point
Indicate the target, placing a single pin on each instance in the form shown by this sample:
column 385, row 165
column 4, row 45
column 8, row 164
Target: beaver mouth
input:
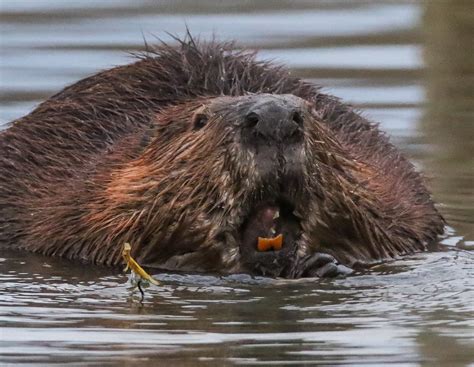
column 268, row 238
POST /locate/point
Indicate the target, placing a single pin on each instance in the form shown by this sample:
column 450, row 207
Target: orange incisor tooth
column 265, row 244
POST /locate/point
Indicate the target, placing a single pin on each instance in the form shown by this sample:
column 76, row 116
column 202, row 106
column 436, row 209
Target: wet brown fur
column 114, row 159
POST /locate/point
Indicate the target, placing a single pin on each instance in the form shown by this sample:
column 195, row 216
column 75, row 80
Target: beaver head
column 223, row 173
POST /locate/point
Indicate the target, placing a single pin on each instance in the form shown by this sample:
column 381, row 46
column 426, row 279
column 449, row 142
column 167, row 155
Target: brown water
column 408, row 65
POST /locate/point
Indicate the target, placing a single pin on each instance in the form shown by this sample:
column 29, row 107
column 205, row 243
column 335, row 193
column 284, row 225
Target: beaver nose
column 275, row 120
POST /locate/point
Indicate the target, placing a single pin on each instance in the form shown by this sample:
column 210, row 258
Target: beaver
column 197, row 154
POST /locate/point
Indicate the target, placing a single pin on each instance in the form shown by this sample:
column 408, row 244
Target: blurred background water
column 408, row 65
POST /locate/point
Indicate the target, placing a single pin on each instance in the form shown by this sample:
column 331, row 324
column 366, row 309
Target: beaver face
column 269, row 136
column 259, row 159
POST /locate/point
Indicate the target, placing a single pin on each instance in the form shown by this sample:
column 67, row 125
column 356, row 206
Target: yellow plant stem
column 133, row 265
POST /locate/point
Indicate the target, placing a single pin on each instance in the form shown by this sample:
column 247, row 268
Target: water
column 407, row 65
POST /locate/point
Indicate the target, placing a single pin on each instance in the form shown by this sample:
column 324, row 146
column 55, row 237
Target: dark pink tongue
column 266, row 218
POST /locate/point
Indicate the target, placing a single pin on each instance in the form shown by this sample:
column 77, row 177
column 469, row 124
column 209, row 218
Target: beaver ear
column 199, row 120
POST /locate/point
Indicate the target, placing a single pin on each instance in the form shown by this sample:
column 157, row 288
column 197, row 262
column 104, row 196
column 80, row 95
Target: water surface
column 407, row 65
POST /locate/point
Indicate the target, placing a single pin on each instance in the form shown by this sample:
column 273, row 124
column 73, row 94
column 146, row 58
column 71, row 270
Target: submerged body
column 205, row 159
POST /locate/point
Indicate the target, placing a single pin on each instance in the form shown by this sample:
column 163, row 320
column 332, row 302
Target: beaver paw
column 323, row 266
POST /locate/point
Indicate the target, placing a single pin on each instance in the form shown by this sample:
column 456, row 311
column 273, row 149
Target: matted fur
column 112, row 159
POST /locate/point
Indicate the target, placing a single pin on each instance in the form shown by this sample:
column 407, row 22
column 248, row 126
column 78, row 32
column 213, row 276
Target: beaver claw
column 322, row 266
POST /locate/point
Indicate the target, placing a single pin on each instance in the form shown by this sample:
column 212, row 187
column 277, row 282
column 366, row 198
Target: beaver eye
column 199, row 120
column 297, row 118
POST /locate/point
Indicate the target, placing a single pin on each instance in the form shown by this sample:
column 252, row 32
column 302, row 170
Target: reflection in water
column 52, row 311
column 410, row 312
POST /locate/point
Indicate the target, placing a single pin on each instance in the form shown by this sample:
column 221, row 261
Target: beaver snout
column 271, row 128
column 274, row 120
